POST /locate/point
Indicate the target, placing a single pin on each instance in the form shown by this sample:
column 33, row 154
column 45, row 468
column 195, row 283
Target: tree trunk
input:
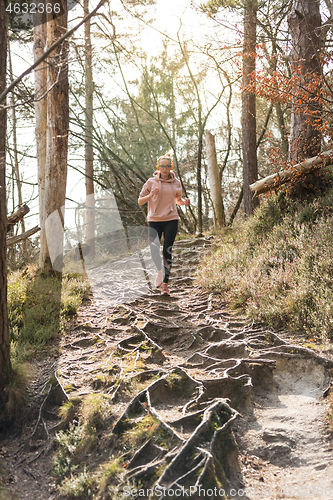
column 40, row 74
column 15, row 156
column 56, row 141
column 236, row 207
column 205, row 218
column 305, row 27
column 282, row 128
column 306, row 166
column 21, row 237
column 17, row 216
column 250, row 167
column 199, row 185
column 89, row 152
column 214, row 180
column 5, row 366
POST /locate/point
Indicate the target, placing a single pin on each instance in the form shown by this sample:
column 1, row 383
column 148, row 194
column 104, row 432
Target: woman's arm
column 181, row 201
column 143, row 199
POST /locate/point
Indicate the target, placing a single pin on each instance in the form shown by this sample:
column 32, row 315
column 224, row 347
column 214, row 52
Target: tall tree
column 200, row 118
column 41, row 120
column 305, row 26
column 5, row 366
column 272, row 23
column 89, row 151
column 249, row 142
column 201, row 123
column 56, row 138
column 15, row 160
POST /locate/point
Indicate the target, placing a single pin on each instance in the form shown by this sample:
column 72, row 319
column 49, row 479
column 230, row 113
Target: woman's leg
column 154, row 235
column 170, row 230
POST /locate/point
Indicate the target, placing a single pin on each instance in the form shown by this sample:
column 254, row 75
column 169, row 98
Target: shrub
column 278, row 266
column 66, row 461
column 77, row 486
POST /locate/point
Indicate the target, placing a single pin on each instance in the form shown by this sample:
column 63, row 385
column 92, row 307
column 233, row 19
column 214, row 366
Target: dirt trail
column 238, row 407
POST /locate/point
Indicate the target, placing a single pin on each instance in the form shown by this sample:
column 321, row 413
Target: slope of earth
column 172, row 396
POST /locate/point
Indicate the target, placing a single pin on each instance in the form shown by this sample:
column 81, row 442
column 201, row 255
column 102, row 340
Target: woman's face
column 165, row 168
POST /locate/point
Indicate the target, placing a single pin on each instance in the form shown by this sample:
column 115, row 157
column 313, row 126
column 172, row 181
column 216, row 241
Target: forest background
column 146, row 101
column 257, row 75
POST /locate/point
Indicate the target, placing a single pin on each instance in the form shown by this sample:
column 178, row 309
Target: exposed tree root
column 173, row 412
column 234, row 363
column 55, row 396
column 214, row 408
column 163, row 424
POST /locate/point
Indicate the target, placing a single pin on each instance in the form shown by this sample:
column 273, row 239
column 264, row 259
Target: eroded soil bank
column 196, row 402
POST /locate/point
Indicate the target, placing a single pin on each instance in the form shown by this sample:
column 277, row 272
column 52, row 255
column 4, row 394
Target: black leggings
column 155, row 230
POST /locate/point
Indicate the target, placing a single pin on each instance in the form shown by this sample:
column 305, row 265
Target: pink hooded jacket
column 162, row 207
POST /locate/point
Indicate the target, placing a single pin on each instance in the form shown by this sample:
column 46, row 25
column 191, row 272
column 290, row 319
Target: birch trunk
column 40, row 75
column 56, row 141
column 89, row 152
column 5, row 366
column 214, row 180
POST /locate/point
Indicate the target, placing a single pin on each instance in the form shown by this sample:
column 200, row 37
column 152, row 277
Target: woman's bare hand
column 155, row 191
column 187, row 201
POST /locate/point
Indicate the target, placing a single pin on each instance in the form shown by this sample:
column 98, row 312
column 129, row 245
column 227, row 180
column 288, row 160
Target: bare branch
column 48, row 51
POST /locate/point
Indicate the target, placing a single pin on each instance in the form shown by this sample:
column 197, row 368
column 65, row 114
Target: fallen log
column 17, row 216
column 275, row 180
column 16, row 239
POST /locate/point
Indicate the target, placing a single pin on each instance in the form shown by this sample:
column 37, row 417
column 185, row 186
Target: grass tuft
column 77, row 442
column 66, row 461
column 110, row 473
column 77, row 486
column 69, row 410
column 16, row 393
column 39, row 306
column 95, row 411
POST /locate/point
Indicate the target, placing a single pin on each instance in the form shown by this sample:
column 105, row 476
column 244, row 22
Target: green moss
column 139, row 431
column 174, row 379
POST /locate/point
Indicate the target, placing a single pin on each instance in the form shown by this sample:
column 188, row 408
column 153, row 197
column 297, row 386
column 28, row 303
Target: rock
column 321, row 466
column 273, row 436
column 279, row 449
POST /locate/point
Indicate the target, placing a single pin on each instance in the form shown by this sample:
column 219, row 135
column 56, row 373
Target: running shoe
column 165, row 289
column 159, row 278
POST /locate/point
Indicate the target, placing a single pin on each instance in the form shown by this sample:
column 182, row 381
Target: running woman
column 162, row 191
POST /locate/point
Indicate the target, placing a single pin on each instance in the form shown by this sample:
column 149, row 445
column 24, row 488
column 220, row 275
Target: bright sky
column 171, row 15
